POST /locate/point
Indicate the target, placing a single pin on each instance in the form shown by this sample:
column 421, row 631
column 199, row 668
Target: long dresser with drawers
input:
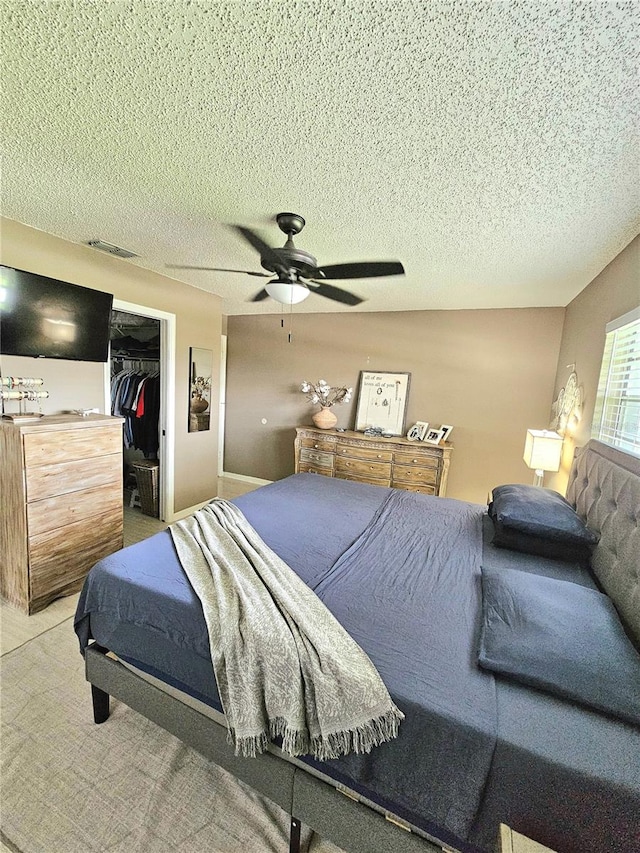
column 61, row 507
column 395, row 462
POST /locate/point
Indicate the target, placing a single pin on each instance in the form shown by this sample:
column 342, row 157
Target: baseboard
column 256, row 481
column 183, row 513
column 252, row 482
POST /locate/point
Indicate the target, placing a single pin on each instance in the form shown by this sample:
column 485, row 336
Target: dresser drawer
column 364, row 453
column 371, row 481
column 415, row 474
column 60, row 559
column 61, row 510
column 423, row 489
column 360, row 468
column 318, row 444
column 44, row 481
column 310, row 469
column 66, row 445
column 422, row 461
column 309, row 456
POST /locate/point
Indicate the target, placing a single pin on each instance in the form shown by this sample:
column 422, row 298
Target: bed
column 411, row 578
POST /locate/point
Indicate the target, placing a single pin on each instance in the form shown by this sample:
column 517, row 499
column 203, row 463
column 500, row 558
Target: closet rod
column 134, row 358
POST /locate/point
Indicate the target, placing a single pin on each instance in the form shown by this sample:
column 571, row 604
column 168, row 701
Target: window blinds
column 616, row 419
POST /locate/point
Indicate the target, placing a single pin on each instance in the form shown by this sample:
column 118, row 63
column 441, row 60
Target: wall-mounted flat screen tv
column 47, row 318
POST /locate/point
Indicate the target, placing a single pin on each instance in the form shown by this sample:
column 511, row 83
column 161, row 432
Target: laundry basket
column 146, row 471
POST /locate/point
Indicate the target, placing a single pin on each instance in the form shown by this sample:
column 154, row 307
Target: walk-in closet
column 135, row 396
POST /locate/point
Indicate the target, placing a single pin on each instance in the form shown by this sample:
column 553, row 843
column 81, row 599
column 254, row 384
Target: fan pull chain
column 290, row 332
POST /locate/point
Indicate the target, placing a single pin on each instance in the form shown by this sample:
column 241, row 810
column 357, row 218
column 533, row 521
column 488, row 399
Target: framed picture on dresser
column 382, row 401
column 418, row 431
column 434, row 436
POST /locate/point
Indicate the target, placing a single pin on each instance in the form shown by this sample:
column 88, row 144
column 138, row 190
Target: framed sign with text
column 382, row 401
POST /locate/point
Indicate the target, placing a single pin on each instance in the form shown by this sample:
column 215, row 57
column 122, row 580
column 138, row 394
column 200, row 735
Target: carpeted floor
column 69, row 786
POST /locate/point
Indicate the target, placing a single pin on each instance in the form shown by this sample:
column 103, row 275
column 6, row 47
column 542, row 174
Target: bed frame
column 336, row 814
column 604, row 487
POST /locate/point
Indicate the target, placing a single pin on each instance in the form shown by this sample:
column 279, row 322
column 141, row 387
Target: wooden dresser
column 395, row 462
column 61, row 506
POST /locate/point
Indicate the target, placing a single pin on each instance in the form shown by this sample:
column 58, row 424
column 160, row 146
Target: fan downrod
column 290, row 223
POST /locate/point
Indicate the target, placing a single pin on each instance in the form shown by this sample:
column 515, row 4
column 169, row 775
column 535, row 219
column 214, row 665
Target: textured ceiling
column 490, row 146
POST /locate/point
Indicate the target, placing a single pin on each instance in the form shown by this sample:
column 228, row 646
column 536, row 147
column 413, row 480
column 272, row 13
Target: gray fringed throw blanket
column 284, row 665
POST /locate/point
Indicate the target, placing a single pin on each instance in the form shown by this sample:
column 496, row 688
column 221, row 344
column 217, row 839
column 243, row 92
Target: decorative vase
column 324, row 419
column 198, row 405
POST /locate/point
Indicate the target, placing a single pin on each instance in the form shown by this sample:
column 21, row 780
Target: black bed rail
column 351, row 824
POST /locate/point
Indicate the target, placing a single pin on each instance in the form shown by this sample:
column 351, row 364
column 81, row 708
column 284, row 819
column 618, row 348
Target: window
column 616, row 419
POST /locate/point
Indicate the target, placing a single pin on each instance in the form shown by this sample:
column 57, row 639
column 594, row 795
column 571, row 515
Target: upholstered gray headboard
column 604, row 487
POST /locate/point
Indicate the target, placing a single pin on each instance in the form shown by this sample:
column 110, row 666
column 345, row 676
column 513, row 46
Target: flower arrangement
column 200, row 386
column 325, row 395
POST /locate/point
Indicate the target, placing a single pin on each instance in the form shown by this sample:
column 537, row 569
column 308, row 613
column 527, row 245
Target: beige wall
column 490, row 373
column 80, row 384
column 614, row 292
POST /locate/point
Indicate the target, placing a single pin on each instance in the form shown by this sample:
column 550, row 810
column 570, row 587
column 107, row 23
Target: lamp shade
column 289, row 293
column 542, row 450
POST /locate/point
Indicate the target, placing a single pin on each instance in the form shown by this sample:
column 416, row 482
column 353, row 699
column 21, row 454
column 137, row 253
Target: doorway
column 143, row 346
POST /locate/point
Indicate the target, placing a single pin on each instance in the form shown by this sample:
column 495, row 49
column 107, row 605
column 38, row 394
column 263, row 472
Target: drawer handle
column 316, row 446
column 414, row 461
column 379, row 455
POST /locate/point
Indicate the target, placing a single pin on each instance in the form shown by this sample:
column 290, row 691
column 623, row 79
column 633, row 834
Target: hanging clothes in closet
column 135, row 396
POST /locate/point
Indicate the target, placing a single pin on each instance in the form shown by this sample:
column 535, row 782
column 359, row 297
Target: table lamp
column 542, row 452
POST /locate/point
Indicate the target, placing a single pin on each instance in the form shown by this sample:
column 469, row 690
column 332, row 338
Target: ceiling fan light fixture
column 296, row 272
column 286, row 292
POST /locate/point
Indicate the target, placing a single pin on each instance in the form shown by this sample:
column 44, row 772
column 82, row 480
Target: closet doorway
column 139, row 386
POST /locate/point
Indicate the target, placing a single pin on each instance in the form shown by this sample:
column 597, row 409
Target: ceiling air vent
column 111, row 250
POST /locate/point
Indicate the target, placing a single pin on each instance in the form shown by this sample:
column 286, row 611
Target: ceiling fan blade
column 266, row 252
column 216, row 269
column 259, row 296
column 366, row 269
column 335, row 293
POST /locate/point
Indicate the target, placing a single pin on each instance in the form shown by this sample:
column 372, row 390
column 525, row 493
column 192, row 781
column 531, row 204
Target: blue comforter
column 401, row 571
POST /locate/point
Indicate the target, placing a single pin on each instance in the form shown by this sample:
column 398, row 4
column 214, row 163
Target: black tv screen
column 47, row 318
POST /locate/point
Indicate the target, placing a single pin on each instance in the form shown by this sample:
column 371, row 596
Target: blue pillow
column 561, row 637
column 539, row 521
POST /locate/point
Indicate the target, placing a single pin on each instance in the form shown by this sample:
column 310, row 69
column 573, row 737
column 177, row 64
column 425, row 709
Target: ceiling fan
column 297, row 273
